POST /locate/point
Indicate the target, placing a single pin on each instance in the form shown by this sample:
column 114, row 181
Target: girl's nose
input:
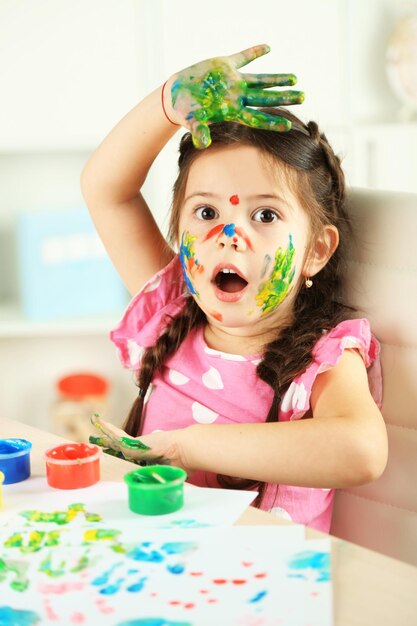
column 231, row 237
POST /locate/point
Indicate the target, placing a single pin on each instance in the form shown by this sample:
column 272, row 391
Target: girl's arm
column 345, row 444
column 110, row 183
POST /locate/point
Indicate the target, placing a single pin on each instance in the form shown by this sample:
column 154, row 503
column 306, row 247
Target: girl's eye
column 266, row 216
column 206, row 213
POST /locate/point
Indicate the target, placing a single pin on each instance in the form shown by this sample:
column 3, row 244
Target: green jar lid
column 156, row 489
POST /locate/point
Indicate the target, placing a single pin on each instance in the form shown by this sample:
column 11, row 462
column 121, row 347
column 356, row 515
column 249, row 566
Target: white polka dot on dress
column 135, row 353
column 202, row 414
column 177, row 378
column 280, row 512
column 212, row 379
column 153, row 285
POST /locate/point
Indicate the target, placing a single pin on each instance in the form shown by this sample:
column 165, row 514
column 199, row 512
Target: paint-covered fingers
column 269, row 80
column 264, row 98
column 239, row 59
column 265, row 121
column 117, row 439
column 201, row 135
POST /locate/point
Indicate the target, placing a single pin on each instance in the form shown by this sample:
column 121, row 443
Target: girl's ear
column 321, row 250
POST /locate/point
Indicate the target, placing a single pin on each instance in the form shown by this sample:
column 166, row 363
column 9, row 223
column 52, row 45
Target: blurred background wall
column 69, row 69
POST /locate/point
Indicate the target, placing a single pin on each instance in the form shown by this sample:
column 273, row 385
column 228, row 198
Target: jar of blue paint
column 15, row 459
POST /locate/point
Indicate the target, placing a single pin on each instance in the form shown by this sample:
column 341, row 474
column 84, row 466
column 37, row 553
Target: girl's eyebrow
column 258, row 196
column 204, row 194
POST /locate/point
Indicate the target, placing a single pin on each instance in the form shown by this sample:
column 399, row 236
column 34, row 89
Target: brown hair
column 314, row 173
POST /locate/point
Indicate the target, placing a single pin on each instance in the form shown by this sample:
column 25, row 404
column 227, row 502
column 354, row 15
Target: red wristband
column 163, row 106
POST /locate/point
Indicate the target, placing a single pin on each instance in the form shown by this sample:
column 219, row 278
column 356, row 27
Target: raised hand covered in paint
column 214, row 91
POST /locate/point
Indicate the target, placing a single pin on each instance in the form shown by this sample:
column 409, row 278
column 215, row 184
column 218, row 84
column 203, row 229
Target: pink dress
column 205, row 386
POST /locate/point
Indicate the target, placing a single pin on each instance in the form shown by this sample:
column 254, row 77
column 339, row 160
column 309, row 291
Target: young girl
column 250, row 372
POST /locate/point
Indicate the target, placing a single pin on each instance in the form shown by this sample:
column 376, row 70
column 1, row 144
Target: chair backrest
column 382, row 263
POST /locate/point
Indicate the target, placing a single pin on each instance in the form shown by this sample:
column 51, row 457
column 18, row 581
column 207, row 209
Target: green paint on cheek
column 275, row 289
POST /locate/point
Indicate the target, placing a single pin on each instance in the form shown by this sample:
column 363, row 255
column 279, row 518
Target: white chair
column 382, row 262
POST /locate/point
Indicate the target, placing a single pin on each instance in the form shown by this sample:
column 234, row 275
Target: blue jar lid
column 12, row 448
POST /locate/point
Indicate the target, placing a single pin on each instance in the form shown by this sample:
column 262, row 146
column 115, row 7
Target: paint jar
column 156, row 489
column 15, row 459
column 73, row 465
column 78, row 396
column 1, row 488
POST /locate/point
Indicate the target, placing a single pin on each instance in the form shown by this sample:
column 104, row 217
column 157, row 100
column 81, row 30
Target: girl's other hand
column 158, row 447
column 214, row 91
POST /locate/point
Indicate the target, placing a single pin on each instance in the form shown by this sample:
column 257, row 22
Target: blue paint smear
column 178, row 547
column 104, row 578
column 176, row 569
column 138, row 585
column 185, row 253
column 112, row 589
column 188, row 523
column 318, row 562
column 15, row 617
column 152, row 556
column 153, row 621
column 259, row 596
column 229, row 230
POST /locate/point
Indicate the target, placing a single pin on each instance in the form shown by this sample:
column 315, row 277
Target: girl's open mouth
column 229, row 284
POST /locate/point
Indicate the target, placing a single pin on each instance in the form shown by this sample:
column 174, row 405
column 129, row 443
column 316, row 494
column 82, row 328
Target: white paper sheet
column 98, row 563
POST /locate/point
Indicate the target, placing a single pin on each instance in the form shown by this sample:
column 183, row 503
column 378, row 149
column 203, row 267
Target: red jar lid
column 82, row 385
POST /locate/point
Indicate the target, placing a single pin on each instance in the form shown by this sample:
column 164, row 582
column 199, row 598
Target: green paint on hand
column 133, row 444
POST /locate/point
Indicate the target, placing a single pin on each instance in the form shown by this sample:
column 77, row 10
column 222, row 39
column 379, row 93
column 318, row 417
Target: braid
column 155, row 356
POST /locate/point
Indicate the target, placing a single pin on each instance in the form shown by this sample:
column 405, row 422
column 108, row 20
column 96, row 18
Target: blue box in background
column 64, row 270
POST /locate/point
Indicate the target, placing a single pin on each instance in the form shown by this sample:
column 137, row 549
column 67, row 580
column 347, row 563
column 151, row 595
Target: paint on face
column 234, row 199
column 267, row 261
column 189, row 262
column 217, row 316
column 229, row 230
column 275, row 289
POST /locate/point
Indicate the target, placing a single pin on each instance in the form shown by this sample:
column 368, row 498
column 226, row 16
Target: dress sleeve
column 148, row 313
column 349, row 334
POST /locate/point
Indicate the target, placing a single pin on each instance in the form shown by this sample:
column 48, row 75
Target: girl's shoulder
column 149, row 312
column 350, row 334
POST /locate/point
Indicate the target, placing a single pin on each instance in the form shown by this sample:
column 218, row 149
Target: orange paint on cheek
column 214, row 231
column 217, row 316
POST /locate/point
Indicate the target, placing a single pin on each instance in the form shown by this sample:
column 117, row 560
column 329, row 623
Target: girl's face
column 243, row 238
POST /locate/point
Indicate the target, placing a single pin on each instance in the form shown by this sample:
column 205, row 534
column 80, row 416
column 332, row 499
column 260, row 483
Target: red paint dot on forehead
column 234, row 199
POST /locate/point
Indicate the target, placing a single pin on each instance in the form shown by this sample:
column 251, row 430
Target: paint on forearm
column 189, row 262
column 275, row 289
